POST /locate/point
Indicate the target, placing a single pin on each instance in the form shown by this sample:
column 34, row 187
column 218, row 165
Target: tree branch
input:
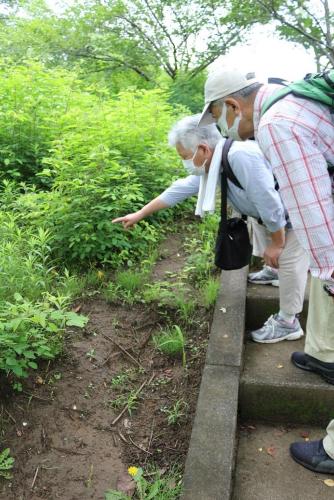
column 299, row 29
column 108, row 58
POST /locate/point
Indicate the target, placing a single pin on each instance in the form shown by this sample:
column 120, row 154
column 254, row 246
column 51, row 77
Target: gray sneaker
column 276, row 329
column 267, row 276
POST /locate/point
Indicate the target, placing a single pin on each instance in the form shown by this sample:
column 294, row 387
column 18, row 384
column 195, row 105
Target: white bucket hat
column 222, row 83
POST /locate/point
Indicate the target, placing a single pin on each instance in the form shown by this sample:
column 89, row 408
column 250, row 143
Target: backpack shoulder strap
column 315, row 87
column 226, row 165
column 276, row 96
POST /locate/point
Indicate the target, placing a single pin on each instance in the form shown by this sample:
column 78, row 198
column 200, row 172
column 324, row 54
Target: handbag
column 233, row 247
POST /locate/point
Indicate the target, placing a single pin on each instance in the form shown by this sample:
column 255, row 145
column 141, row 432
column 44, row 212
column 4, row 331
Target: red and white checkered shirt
column 297, row 137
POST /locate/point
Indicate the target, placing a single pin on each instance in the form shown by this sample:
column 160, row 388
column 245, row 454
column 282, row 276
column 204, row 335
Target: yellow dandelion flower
column 133, row 471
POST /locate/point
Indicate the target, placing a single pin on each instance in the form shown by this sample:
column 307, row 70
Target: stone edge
column 211, row 456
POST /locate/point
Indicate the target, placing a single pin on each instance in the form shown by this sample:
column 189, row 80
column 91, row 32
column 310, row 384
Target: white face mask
column 233, row 131
column 191, row 168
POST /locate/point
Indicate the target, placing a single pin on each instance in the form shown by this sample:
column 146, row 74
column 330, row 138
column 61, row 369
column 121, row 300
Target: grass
column 171, row 342
column 209, row 292
column 176, row 413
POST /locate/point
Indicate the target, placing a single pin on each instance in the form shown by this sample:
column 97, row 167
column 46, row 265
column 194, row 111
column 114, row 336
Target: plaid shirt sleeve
column 305, row 188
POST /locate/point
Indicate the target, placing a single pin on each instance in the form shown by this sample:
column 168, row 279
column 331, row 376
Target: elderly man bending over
column 201, row 151
column 296, row 135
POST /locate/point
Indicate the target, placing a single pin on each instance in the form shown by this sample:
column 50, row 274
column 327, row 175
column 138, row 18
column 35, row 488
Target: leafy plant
column 176, row 413
column 119, row 380
column 6, row 463
column 171, row 342
column 130, row 400
column 30, row 331
column 157, row 488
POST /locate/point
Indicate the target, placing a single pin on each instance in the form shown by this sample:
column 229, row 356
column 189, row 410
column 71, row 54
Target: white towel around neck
column 206, row 200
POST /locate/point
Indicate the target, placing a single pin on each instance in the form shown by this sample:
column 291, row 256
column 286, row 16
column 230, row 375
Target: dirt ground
column 61, row 429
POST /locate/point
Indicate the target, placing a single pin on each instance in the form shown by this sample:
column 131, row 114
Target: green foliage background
column 73, row 156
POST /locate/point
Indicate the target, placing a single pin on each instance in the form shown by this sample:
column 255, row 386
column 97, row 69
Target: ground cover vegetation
column 71, row 162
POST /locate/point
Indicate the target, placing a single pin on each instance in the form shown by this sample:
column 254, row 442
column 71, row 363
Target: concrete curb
column 211, row 456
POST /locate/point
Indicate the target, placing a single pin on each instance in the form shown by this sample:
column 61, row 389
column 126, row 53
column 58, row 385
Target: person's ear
column 204, row 148
column 234, row 104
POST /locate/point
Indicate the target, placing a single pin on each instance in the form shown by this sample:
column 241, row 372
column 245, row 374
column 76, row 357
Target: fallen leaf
column 280, row 366
column 329, row 482
column 39, row 380
column 271, row 451
column 126, row 484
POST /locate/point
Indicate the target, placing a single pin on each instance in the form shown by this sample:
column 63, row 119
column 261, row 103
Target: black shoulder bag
column 233, row 248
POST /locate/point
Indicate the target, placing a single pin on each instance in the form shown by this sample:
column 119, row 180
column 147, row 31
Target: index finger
column 119, row 219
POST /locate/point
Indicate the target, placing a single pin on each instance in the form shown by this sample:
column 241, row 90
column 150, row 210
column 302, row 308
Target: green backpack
column 317, row 87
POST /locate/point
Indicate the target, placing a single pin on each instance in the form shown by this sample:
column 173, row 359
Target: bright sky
column 267, row 55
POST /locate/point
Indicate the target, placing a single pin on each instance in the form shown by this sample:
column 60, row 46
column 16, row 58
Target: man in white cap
column 296, row 136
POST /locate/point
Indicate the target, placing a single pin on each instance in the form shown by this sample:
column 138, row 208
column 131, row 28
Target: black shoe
column 312, row 456
column 310, row 364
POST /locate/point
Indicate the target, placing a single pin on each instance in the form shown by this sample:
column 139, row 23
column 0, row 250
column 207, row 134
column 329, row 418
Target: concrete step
column 272, row 388
column 262, row 301
column 265, row 470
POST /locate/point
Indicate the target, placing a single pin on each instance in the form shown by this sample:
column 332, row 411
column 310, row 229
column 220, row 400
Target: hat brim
column 206, row 117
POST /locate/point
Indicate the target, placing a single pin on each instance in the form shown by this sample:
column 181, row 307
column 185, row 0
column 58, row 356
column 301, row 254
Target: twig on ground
column 10, row 416
column 69, row 452
column 110, row 355
column 150, row 440
column 37, row 397
column 139, row 447
column 122, row 437
column 35, row 477
column 147, row 381
column 114, row 440
column 123, row 350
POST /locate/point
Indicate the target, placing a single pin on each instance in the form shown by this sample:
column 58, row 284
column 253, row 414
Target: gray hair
column 189, row 135
column 243, row 93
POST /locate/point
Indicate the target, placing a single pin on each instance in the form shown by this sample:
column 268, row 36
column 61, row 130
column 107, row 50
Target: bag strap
column 226, row 174
column 223, row 205
column 226, row 165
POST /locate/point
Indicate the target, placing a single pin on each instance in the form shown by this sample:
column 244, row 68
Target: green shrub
column 25, row 263
column 31, row 331
column 33, row 101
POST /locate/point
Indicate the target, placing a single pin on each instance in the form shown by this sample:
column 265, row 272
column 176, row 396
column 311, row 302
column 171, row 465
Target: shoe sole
column 314, row 369
column 264, row 282
column 291, row 336
column 308, row 466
